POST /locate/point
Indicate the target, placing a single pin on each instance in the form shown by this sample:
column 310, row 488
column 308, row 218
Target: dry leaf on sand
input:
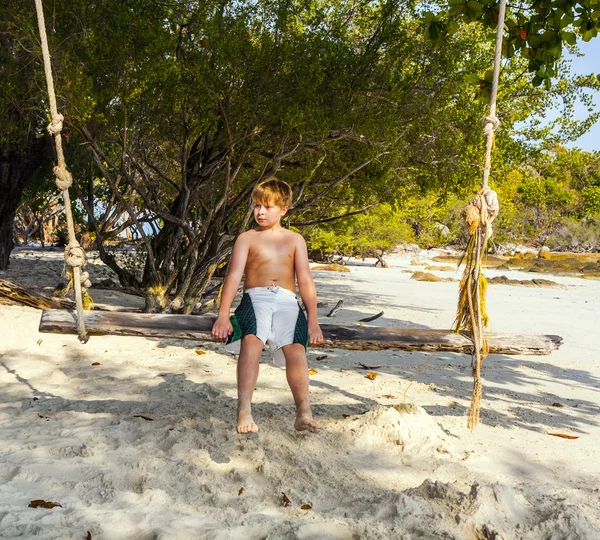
column 322, row 357
column 305, row 507
column 199, row 351
column 96, row 364
column 286, row 501
column 39, row 503
column 371, row 375
column 240, row 491
column 312, row 371
column 564, row 435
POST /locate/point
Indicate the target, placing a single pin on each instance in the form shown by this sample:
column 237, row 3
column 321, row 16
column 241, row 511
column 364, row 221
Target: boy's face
column 268, row 215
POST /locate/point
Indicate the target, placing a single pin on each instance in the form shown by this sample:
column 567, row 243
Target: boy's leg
column 296, row 370
column 247, row 375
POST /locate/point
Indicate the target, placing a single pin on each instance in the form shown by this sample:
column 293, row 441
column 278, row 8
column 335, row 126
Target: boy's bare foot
column 305, row 421
column 245, row 422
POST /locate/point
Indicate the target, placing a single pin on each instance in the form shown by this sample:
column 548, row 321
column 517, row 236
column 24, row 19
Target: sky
column 588, row 63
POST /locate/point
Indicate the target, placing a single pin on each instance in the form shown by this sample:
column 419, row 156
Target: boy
column 272, row 259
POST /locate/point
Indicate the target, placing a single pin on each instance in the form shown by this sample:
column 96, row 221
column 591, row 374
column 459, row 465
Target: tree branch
column 348, row 214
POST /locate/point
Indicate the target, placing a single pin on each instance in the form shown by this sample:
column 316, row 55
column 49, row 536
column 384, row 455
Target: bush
column 367, row 235
column 574, row 235
column 62, row 236
column 591, row 200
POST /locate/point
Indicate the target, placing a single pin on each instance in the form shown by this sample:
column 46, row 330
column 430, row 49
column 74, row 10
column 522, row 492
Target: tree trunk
column 6, row 233
column 17, row 165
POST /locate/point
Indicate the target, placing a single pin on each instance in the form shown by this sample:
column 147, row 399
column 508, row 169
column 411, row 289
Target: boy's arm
column 222, row 327
column 308, row 291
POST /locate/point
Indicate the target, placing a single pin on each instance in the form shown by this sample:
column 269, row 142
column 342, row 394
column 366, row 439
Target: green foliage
column 544, row 193
column 538, row 31
column 371, row 234
column 591, row 200
column 61, row 236
column 551, row 193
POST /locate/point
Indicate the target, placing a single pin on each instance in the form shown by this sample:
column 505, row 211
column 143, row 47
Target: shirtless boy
column 272, row 259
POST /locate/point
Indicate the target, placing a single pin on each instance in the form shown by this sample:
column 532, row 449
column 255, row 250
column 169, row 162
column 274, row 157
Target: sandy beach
column 135, row 438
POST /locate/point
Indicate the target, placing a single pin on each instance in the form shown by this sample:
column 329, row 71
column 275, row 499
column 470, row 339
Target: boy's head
column 271, row 199
column 273, row 192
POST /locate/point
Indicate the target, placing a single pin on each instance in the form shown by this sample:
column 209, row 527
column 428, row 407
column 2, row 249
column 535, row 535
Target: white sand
column 378, row 475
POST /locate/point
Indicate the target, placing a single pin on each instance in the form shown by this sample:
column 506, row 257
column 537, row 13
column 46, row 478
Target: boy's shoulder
column 254, row 234
column 294, row 237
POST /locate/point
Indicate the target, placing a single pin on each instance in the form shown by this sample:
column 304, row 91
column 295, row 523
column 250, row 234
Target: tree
column 199, row 104
column 181, row 107
column 24, row 149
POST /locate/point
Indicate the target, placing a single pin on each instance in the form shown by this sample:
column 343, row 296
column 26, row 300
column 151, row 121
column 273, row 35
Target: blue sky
column 588, row 63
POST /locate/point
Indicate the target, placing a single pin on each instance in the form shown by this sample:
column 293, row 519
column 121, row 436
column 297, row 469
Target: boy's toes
column 305, row 422
column 246, row 423
column 248, row 428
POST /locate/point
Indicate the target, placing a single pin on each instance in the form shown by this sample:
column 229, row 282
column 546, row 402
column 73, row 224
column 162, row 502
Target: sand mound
column 496, row 511
column 412, row 429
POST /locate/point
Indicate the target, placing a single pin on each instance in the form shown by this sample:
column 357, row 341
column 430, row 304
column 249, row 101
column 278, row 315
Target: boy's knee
column 294, row 351
column 251, row 341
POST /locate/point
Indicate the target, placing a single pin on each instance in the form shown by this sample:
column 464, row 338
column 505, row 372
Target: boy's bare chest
column 274, row 252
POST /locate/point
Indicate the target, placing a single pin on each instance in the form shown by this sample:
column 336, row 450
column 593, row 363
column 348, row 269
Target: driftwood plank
column 199, row 327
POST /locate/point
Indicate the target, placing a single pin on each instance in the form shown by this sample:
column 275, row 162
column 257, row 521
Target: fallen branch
column 31, row 298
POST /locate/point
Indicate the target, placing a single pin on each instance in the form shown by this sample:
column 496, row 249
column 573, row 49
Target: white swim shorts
column 274, row 316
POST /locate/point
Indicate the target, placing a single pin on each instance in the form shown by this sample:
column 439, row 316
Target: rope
column 479, row 215
column 74, row 254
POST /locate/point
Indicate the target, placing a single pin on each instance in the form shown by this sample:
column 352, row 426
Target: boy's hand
column 222, row 328
column 315, row 333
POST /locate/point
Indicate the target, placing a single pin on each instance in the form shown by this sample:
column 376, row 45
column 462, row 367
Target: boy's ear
column 284, row 210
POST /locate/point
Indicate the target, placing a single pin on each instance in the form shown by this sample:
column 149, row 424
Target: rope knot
column 483, row 209
column 75, row 256
column 64, row 180
column 491, row 124
column 492, row 206
column 85, row 280
column 55, row 127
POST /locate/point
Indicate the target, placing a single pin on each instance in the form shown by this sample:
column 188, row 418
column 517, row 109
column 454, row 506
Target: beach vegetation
column 174, row 111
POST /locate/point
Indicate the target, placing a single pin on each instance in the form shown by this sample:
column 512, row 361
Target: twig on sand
column 336, row 309
column 372, row 318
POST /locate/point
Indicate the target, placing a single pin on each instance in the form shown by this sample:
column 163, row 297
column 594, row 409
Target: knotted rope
column 471, row 315
column 74, row 254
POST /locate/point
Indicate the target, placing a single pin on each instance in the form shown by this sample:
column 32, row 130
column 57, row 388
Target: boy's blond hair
column 273, row 191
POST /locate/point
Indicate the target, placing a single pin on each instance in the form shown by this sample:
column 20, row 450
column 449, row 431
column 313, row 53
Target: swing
column 467, row 336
